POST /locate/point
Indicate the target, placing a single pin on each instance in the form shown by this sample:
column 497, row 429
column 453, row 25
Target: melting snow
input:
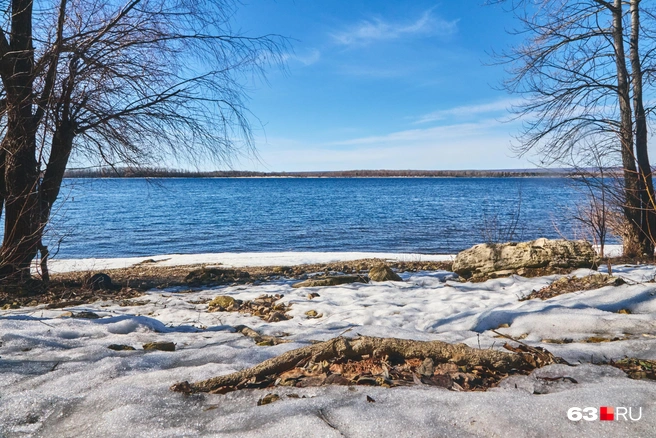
column 58, row 378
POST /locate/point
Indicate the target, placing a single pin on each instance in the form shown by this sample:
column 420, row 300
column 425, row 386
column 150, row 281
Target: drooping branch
column 49, row 81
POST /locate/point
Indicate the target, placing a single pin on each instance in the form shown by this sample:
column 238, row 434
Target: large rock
column 488, row 258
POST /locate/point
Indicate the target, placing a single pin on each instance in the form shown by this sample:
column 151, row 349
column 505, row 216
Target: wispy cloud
column 308, row 58
column 469, row 110
column 435, row 134
column 482, row 145
column 377, row 29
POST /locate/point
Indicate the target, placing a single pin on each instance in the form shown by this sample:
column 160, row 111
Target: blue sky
column 383, row 84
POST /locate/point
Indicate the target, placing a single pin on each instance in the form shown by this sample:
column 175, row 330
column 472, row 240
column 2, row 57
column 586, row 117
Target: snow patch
column 58, row 378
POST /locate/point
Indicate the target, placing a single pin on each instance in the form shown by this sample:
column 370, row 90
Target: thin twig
column 322, row 416
column 45, row 323
column 511, row 338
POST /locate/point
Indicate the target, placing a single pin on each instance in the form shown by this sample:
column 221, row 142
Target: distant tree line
column 149, row 172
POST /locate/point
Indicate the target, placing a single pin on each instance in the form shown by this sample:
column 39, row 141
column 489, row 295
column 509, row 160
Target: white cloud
column 497, row 106
column 482, row 145
column 461, row 130
column 308, row 58
column 377, row 29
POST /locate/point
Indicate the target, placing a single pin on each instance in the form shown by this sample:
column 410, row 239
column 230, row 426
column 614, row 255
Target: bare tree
column 502, row 226
column 573, row 71
column 119, row 82
column 603, row 194
column 648, row 211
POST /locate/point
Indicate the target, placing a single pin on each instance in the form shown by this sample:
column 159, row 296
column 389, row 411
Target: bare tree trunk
column 62, row 145
column 632, row 208
column 21, row 206
column 3, row 190
column 648, row 216
column 21, row 175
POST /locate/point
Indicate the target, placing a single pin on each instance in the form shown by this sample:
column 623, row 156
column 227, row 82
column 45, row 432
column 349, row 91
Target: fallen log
column 523, row 359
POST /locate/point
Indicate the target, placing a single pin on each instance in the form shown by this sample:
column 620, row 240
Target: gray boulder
column 507, row 258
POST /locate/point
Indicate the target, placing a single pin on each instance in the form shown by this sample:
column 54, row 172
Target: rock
column 330, row 281
column 83, row 315
column 617, row 281
column 269, row 398
column 276, row 317
column 313, row 314
column 121, row 347
column 488, row 258
column 220, row 303
column 162, row 346
column 86, row 315
column 100, row 281
column 312, row 295
column 503, row 273
column 383, row 273
column 264, row 306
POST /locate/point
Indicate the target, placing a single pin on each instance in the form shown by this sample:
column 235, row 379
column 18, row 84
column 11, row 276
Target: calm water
column 136, row 217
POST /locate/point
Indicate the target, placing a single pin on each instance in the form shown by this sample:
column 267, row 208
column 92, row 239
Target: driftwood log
column 524, row 359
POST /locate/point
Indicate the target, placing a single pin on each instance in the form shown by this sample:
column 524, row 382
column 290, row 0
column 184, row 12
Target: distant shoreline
column 168, row 173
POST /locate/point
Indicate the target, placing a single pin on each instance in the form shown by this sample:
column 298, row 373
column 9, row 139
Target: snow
column 610, row 250
column 58, row 378
column 236, row 260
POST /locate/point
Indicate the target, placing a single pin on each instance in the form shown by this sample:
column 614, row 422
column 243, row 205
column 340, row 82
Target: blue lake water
column 138, row 217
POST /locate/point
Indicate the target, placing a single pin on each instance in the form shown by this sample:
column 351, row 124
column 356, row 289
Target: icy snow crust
column 58, row 378
column 237, row 259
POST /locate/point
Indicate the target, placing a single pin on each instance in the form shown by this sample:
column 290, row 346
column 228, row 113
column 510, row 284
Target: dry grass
column 574, row 284
column 70, row 288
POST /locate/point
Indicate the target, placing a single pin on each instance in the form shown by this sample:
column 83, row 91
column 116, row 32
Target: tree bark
column 21, row 207
column 62, row 145
column 632, row 206
column 648, row 216
column 21, row 174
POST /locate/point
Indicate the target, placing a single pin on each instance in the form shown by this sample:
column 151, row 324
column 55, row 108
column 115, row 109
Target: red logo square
column 606, row 413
